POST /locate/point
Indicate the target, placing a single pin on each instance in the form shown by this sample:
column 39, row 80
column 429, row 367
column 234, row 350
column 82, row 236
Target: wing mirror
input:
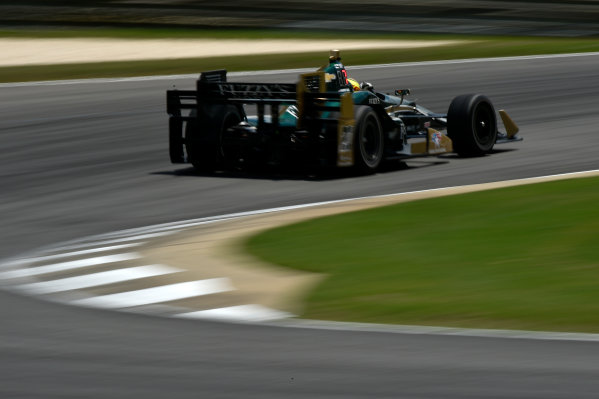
column 402, row 92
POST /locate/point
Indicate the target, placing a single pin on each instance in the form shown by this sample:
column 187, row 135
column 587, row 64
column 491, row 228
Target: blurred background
column 498, row 17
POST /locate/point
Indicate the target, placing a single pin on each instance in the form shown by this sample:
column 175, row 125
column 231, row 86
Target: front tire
column 472, row 125
column 369, row 141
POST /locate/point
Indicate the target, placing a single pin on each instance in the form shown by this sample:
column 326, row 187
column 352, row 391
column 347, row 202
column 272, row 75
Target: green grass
column 516, row 258
column 475, row 47
column 185, row 33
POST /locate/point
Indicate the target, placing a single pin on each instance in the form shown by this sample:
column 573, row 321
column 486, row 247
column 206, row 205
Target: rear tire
column 472, row 125
column 203, row 135
column 368, row 140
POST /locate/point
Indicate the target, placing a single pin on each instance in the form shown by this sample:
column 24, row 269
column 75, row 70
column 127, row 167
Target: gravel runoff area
column 216, row 249
column 25, row 51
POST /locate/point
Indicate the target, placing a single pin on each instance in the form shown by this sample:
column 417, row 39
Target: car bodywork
column 306, row 122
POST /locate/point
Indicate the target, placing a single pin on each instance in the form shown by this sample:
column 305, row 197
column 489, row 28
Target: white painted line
column 75, row 264
column 35, row 259
column 97, row 279
column 86, row 243
column 162, row 229
column 153, row 295
column 298, row 70
column 212, row 219
column 476, row 60
column 165, row 229
column 243, row 313
column 433, row 330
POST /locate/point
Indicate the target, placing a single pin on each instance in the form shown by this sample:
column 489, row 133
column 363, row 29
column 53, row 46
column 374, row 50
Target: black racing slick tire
column 203, row 135
column 368, row 140
column 472, row 125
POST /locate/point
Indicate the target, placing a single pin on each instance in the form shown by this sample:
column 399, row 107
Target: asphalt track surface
column 83, row 159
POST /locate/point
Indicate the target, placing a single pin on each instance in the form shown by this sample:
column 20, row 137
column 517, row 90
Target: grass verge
column 475, row 47
column 184, row 33
column 515, row 258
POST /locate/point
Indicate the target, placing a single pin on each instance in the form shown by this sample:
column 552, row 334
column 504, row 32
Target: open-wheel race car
column 324, row 119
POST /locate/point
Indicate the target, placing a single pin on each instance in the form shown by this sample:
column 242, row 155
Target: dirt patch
column 23, row 51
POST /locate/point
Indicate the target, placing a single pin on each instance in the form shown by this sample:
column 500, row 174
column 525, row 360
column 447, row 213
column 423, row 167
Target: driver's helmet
column 354, row 84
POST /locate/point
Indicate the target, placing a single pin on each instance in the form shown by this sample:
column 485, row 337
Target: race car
column 322, row 120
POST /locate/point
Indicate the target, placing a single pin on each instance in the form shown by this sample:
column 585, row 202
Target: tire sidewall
column 368, row 131
column 465, row 127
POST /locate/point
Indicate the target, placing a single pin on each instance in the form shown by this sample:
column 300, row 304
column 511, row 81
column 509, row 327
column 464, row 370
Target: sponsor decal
column 345, row 146
column 244, row 89
column 293, row 111
column 329, row 77
column 347, row 138
column 440, row 142
column 436, row 139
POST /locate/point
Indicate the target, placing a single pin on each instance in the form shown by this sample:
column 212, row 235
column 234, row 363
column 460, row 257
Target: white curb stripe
column 163, row 293
column 97, row 279
column 242, row 313
column 36, row 259
column 87, row 242
column 76, row 264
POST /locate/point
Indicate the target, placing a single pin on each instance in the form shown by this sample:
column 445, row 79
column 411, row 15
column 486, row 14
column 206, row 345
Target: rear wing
column 316, row 108
column 212, row 87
